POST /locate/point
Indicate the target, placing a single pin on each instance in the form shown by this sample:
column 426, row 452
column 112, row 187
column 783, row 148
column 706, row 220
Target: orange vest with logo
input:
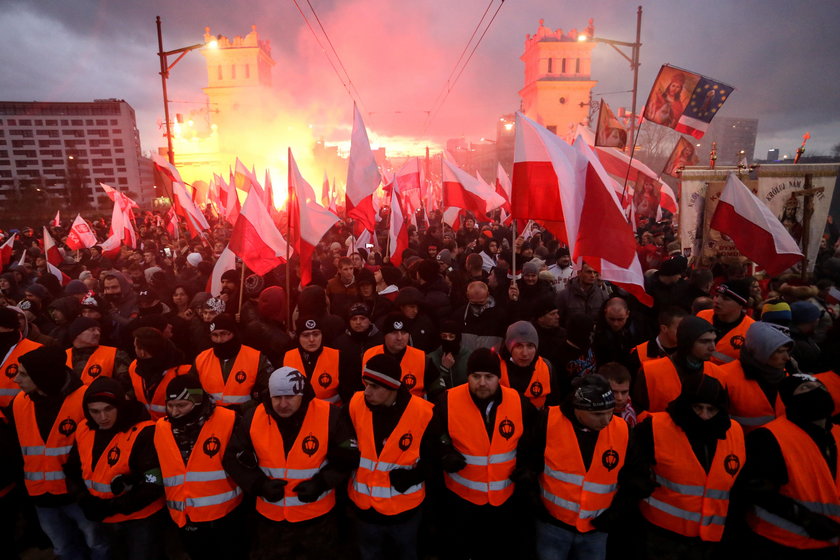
column 324, row 378
column 663, row 382
column 43, row 461
column 112, row 463
column 538, row 387
column 571, row 493
column 201, row 490
column 809, row 482
column 413, row 365
column 9, row 367
column 729, row 346
column 370, row 485
column 240, row 382
column 688, row 501
column 101, row 362
column 832, row 382
column 306, row 457
column 490, row 461
column 748, row 405
column 156, row 408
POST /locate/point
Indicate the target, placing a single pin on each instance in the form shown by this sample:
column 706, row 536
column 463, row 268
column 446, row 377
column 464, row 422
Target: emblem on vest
column 11, row 370
column 211, row 446
column 310, row 445
column 506, row 428
column 95, row 370
column 405, row 441
column 732, row 464
column 737, row 341
column 409, row 380
column 324, row 380
column 536, row 388
column 67, row 427
column 240, row 376
column 113, row 456
column 609, row 459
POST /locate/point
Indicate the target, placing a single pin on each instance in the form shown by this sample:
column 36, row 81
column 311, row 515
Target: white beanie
column 194, row 258
column 286, row 382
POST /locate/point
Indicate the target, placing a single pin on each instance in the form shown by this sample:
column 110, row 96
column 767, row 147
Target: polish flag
column 503, row 187
column 54, row 270
column 617, row 162
column 452, row 216
column 756, row 232
column 333, row 207
column 462, row 190
column 121, row 228
column 244, row 180
column 226, row 261
column 51, row 249
column 398, row 229
column 362, row 176
column 111, row 246
column 310, row 221
column 80, row 235
column 186, row 208
column 57, row 220
column 214, row 194
column 228, row 198
column 269, row 197
column 255, row 239
column 171, row 224
column 6, row 251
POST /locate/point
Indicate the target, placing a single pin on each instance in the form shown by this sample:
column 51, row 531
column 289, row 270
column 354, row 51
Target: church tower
column 557, row 78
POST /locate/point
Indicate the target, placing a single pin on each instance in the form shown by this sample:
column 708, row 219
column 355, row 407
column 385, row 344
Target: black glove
column 402, row 479
column 522, row 475
column 453, row 461
column 273, row 490
column 310, row 490
column 123, row 483
column 606, row 520
column 95, row 509
column 819, row 526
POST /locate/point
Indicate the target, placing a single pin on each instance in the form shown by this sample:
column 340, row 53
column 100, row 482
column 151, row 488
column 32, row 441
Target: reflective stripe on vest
column 571, row 506
column 491, row 460
column 157, row 406
column 9, row 368
column 539, row 386
column 485, row 487
column 692, row 516
column 412, row 367
column 205, row 501
column 384, row 493
column 324, row 378
column 291, row 473
column 240, row 381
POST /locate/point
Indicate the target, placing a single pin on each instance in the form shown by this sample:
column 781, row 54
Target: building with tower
column 557, row 86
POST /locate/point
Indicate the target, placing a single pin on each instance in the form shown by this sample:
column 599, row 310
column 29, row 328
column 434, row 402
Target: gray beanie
column 286, row 382
column 530, row 267
column 521, row 332
column 765, row 338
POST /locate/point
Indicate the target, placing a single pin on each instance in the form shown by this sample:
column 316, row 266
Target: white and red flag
column 225, row 262
column 187, row 209
column 57, row 220
column 121, row 229
column 255, row 239
column 309, row 221
column 51, row 249
column 756, row 232
column 80, row 236
column 269, row 198
column 6, row 251
column 362, row 177
column 398, row 228
column 245, row 180
column 462, row 190
column 171, row 224
column 54, row 270
column 503, row 187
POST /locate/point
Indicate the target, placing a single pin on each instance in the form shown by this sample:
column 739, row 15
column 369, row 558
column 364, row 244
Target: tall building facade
column 732, row 135
column 557, row 86
column 61, row 151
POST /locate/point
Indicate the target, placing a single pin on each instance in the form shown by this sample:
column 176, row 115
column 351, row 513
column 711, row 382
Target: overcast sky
column 782, row 56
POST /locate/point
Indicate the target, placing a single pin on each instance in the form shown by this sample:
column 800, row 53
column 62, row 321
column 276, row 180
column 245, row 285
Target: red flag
column 255, row 238
column 756, row 232
column 269, row 195
column 111, row 246
column 171, row 224
column 51, row 249
column 362, row 176
column 398, row 230
column 503, row 187
column 54, row 270
column 311, row 220
column 6, row 251
column 57, row 220
column 230, row 201
column 226, row 261
column 80, row 235
column 462, row 190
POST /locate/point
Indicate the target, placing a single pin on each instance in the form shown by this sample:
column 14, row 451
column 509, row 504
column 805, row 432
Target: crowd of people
column 487, row 398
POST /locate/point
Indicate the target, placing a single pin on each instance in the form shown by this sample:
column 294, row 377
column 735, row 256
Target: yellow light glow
column 508, row 126
column 582, row 38
column 214, row 44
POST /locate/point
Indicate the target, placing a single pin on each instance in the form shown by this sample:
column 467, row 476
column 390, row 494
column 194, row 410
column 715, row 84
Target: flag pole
column 288, row 240
column 241, row 289
column 513, row 252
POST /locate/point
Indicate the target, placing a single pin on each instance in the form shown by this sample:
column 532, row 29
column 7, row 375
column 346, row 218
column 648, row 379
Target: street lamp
column 165, row 67
column 633, row 59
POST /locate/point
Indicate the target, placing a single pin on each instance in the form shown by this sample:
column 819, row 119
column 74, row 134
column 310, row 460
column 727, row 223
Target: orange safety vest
column 101, row 362
column 413, row 365
column 688, row 501
column 809, row 483
column 307, row 456
column 324, row 378
column 112, row 463
column 43, row 461
column 370, row 485
column 490, row 462
column 156, row 408
column 748, row 405
column 240, row 382
column 538, row 387
column 10, row 366
column 832, row 382
column 728, row 347
column 201, row 490
column 663, row 382
column 571, row 493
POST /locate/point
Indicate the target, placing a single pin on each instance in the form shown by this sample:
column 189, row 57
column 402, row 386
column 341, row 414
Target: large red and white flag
column 503, row 186
column 80, row 235
column 51, row 249
column 756, row 232
column 57, row 220
column 462, row 190
column 255, row 239
column 121, row 229
column 111, row 246
column 362, row 177
column 398, row 228
column 310, row 220
column 186, row 208
column 228, row 198
column 269, row 199
column 6, row 251
column 225, row 262
column 54, row 270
